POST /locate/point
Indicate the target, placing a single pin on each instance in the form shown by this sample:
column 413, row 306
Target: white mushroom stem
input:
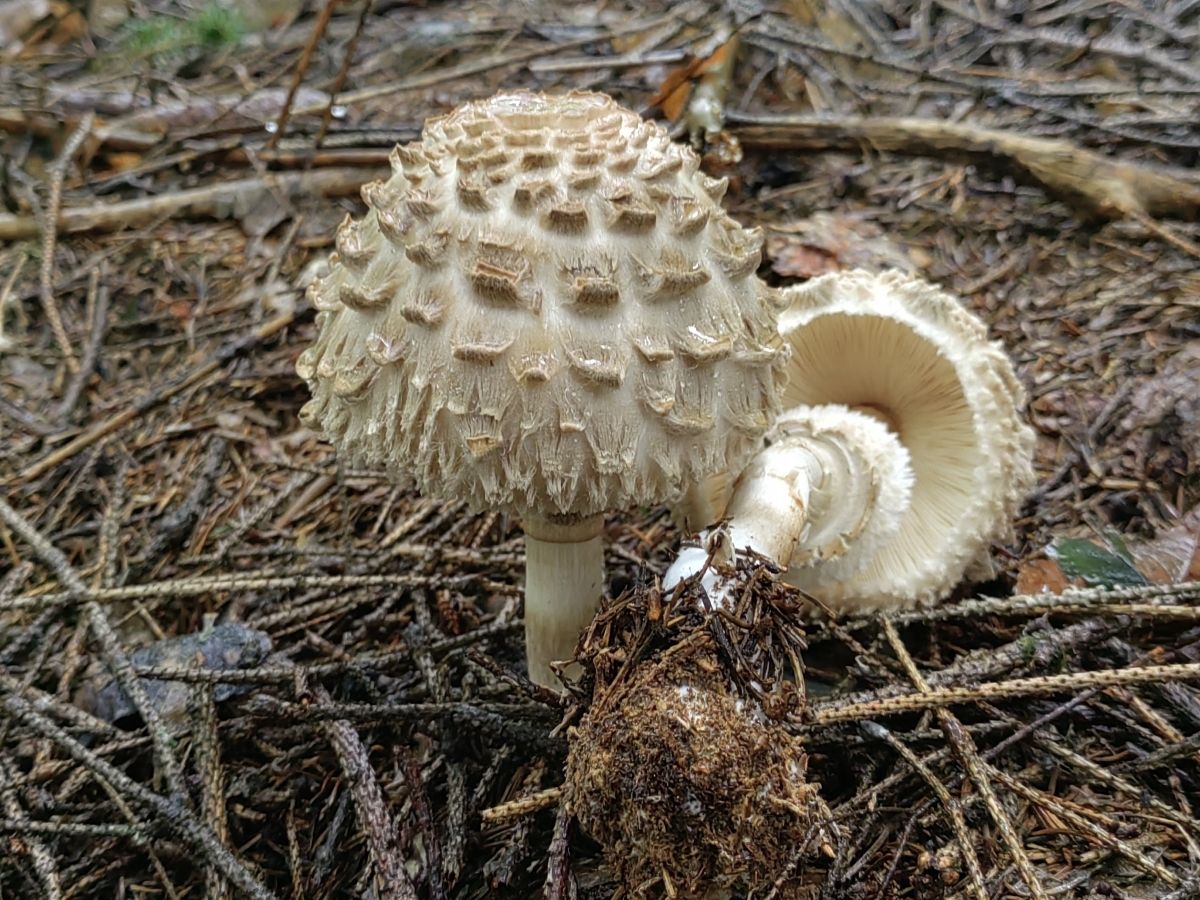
column 834, row 483
column 564, row 579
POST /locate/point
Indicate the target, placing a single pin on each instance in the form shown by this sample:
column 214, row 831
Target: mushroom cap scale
column 545, row 310
column 906, row 352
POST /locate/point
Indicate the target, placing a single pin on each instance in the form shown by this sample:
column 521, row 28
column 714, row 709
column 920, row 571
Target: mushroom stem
column 834, row 483
column 564, row 579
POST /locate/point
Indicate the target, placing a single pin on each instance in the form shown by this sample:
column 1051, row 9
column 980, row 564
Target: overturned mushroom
column 901, row 457
column 546, row 312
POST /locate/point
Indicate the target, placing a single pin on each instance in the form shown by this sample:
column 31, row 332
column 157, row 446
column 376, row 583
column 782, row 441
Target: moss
column 211, row 27
column 157, row 34
column 217, row 26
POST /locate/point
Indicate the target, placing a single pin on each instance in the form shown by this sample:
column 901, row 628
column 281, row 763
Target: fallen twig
column 339, row 80
column 214, row 200
column 1108, row 188
column 968, row 755
column 522, row 806
column 952, row 806
column 314, row 38
column 22, row 842
column 391, row 878
column 443, row 74
column 1091, row 829
column 114, row 654
column 212, row 789
column 154, row 397
column 1095, row 600
column 176, row 817
column 98, row 304
column 831, row 712
column 50, row 239
column 196, row 587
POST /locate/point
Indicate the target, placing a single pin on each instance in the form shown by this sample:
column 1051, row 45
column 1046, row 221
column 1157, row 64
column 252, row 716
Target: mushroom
column 546, row 312
column 901, row 455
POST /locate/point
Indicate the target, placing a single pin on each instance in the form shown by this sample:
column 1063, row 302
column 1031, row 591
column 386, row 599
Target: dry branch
column 968, row 755
column 952, row 806
column 173, row 815
column 829, row 713
column 50, row 240
column 1108, row 188
column 211, row 201
column 522, row 806
column 391, row 878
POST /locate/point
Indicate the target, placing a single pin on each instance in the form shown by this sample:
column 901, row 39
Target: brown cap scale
column 546, row 312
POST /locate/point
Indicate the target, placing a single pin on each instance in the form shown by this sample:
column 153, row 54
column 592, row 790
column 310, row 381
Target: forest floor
column 344, row 702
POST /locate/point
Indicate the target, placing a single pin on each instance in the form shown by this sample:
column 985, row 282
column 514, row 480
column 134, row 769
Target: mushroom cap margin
column 911, row 353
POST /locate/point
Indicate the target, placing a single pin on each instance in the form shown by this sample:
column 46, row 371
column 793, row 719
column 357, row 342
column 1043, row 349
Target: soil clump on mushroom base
column 685, row 783
column 683, row 767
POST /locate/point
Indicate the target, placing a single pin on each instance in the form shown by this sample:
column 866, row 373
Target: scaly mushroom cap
column 545, row 310
column 904, row 351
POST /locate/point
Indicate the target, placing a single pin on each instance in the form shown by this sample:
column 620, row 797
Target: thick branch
column 1109, row 188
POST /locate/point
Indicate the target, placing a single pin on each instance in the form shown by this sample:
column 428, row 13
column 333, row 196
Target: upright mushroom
column 901, row 456
column 546, row 312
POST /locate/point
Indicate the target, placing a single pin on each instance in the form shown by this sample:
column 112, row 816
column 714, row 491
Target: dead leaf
column 181, row 310
column 1174, row 555
column 1043, row 576
column 673, row 94
column 795, row 259
column 123, row 161
column 1171, row 557
column 71, row 26
column 1169, row 402
column 830, row 242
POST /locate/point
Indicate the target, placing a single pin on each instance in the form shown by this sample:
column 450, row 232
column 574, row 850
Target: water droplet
column 271, row 127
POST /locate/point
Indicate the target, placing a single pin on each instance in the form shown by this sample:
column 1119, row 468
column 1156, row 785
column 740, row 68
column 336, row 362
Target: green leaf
column 1097, row 566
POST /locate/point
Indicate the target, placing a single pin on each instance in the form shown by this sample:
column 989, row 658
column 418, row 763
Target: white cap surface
column 904, row 351
column 545, row 311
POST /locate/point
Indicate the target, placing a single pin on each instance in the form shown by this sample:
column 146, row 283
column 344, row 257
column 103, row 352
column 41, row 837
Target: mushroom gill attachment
column 546, row 312
column 691, row 790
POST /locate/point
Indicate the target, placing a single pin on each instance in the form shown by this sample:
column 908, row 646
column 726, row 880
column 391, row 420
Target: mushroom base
column 692, row 791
